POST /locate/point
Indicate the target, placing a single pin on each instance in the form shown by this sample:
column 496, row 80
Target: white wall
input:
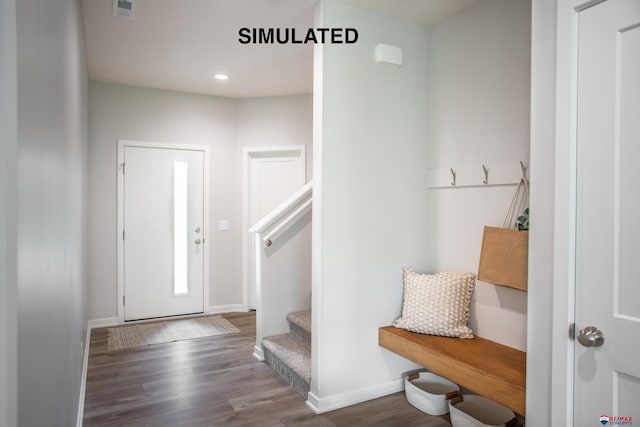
column 8, row 219
column 371, row 213
column 225, row 125
column 51, row 149
column 541, row 235
column 461, row 99
column 479, row 79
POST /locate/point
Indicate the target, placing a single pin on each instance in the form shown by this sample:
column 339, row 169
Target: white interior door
column 273, row 177
column 163, row 232
column 607, row 377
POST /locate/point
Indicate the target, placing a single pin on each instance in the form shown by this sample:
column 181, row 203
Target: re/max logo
column 290, row 36
column 616, row 421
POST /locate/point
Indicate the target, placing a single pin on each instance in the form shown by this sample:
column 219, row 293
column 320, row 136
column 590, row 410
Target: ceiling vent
column 125, row 8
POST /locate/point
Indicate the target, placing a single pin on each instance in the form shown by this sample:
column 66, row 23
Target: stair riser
column 300, row 324
column 289, row 355
column 300, row 333
column 296, row 382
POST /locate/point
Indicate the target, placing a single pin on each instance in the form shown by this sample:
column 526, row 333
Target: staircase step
column 300, row 324
column 289, row 357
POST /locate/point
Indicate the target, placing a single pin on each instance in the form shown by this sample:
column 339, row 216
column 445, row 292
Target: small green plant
column 523, row 220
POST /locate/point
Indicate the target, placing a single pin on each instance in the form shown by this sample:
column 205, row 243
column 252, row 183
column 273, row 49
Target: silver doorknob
column 198, row 241
column 591, row 337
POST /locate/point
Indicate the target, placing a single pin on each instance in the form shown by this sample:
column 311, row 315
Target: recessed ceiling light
column 221, row 76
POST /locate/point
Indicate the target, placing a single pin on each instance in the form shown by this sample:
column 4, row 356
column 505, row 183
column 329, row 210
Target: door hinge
column 122, row 299
column 123, row 164
column 122, row 234
column 572, row 331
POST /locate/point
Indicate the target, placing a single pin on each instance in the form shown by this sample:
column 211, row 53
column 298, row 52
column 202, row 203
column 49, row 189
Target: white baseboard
column 83, row 377
column 258, row 353
column 337, row 401
column 102, row 323
column 91, row 324
column 229, row 308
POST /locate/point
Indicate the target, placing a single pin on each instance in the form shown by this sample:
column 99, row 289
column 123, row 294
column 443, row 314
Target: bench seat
column 485, row 367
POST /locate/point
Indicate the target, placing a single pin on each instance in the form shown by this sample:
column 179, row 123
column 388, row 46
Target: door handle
column 591, row 337
column 198, row 241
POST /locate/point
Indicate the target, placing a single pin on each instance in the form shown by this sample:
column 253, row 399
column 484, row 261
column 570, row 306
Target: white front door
column 274, row 176
column 163, row 231
column 607, row 376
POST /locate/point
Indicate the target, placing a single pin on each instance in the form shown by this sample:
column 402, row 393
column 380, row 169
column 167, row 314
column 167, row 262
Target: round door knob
column 591, row 337
column 198, row 241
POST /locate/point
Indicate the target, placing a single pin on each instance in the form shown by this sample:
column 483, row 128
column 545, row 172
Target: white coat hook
column 524, row 170
column 453, row 174
column 486, row 174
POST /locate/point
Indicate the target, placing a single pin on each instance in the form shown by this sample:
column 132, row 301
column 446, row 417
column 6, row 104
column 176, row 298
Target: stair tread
column 293, row 352
column 302, row 319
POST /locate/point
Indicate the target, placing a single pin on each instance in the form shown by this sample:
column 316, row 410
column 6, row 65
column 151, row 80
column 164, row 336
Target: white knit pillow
column 437, row 304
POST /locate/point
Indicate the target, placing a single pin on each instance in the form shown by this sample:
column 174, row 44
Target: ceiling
column 420, row 11
column 180, row 45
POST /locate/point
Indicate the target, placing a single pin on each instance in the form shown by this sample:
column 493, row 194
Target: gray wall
column 8, row 143
column 51, row 149
column 225, row 125
column 276, row 120
column 121, row 112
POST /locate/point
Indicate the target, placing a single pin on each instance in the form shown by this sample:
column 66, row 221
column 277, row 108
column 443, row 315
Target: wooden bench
column 485, row 367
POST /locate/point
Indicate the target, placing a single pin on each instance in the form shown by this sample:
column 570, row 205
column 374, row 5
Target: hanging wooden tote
column 505, row 251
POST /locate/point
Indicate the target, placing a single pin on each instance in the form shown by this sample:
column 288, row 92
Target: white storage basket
column 429, row 392
column 478, row 411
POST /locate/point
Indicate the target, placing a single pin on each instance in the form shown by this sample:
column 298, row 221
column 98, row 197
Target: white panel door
column 274, row 176
column 163, row 232
column 607, row 377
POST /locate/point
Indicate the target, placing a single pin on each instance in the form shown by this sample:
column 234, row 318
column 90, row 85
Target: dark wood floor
column 214, row 381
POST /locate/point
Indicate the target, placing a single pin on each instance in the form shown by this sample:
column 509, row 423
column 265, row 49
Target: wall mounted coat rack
column 483, row 175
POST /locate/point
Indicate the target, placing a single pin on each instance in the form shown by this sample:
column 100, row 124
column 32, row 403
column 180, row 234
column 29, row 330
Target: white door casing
column 272, row 174
column 607, row 243
column 162, row 230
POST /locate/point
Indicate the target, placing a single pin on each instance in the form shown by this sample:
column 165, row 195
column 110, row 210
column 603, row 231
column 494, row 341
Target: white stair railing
column 279, row 265
column 285, row 214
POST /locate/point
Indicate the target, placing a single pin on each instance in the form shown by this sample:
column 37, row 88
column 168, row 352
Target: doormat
column 122, row 337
